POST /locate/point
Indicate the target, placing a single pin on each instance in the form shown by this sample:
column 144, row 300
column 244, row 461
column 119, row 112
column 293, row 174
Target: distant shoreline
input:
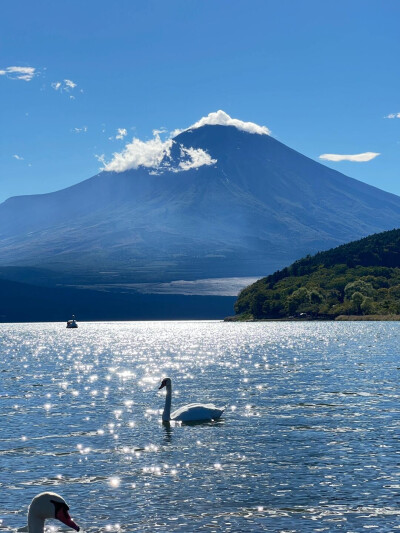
column 340, row 318
column 368, row 318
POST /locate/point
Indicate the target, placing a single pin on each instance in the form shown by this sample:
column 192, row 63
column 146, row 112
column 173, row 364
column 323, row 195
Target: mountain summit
column 220, row 199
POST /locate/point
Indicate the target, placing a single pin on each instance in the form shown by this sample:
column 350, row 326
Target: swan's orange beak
column 63, row 516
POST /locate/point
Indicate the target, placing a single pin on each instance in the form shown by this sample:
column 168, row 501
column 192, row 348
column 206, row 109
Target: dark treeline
column 358, row 278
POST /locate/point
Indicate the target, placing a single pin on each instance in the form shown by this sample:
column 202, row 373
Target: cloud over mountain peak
column 220, row 118
column 156, row 155
column 156, row 152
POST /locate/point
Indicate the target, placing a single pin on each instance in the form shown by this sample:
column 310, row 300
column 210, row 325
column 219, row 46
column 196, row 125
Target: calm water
column 310, row 440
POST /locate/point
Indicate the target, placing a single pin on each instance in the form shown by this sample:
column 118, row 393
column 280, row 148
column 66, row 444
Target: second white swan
column 188, row 413
column 48, row 505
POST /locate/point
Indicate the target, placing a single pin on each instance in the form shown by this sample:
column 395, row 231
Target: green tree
column 367, row 306
column 298, row 298
column 357, row 299
column 359, row 285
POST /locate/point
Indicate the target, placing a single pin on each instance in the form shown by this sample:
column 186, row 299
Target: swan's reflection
column 169, row 428
column 168, row 431
column 210, row 423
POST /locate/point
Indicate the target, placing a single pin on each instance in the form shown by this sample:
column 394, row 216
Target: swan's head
column 51, row 505
column 166, row 382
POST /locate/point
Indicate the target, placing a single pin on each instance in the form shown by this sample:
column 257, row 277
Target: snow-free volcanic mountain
column 217, row 201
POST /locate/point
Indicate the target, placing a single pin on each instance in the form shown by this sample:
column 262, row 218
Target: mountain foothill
column 358, row 279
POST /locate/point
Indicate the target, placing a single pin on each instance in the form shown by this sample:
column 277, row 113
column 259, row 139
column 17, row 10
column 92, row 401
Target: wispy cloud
column 393, row 115
column 28, row 73
column 194, row 158
column 64, row 86
column 19, row 73
column 80, row 130
column 122, row 132
column 70, row 84
column 18, row 157
column 357, row 158
column 221, row 118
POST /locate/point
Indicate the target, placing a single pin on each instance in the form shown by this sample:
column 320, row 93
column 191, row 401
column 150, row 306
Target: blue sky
column 74, row 76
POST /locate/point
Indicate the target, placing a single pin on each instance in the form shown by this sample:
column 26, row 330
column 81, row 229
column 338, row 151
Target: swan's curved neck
column 166, row 416
column 35, row 523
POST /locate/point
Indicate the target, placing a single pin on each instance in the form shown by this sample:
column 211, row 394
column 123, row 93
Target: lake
column 309, row 441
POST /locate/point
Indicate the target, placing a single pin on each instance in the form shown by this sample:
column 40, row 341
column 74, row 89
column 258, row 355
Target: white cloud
column 70, row 84
column 122, row 132
column 223, row 119
column 64, row 86
column 196, row 158
column 139, row 154
column 18, row 157
column 156, row 155
column 80, row 130
column 28, row 73
column 358, row 158
column 393, row 115
column 19, row 73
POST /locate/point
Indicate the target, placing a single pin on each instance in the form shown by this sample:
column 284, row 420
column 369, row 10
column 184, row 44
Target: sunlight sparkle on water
column 311, row 424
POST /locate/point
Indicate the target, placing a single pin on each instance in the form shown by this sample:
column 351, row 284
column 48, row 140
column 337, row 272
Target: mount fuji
column 222, row 199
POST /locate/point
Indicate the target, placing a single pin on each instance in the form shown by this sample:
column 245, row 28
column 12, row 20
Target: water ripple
column 309, row 441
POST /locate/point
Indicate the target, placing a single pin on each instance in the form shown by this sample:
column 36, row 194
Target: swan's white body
column 188, row 413
column 48, row 505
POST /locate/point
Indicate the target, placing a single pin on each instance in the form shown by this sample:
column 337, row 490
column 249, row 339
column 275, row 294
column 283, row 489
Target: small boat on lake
column 72, row 323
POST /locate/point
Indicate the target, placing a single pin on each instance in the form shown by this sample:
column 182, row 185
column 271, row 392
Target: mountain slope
column 260, row 206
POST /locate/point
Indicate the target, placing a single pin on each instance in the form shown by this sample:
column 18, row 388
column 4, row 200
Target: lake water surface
column 310, row 440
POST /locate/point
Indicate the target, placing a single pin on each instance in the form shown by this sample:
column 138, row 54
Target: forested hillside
column 358, row 278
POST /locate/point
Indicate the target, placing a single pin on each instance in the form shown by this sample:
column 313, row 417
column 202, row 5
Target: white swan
column 48, row 505
column 188, row 413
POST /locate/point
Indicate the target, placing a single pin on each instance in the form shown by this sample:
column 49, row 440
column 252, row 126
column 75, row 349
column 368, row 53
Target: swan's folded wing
column 196, row 411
